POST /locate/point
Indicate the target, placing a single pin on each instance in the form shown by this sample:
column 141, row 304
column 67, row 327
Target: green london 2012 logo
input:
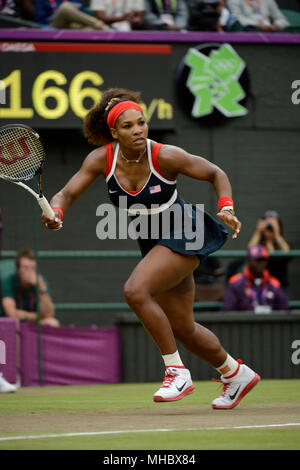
column 214, row 81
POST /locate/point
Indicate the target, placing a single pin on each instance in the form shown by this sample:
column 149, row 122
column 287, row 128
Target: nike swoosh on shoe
column 232, row 397
column 181, row 388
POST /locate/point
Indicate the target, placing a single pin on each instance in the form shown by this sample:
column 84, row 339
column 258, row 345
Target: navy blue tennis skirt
column 191, row 232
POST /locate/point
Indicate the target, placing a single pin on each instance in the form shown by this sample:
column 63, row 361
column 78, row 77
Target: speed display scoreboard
column 53, row 85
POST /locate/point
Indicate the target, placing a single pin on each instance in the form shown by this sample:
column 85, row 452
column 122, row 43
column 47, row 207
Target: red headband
column 118, row 109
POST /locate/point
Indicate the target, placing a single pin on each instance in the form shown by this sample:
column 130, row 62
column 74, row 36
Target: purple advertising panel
column 69, row 356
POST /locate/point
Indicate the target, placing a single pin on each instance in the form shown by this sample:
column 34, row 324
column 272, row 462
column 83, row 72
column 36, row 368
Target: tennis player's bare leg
column 160, row 270
column 161, row 292
column 167, row 276
column 178, row 304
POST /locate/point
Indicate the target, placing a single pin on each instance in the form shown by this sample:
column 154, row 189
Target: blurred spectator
column 62, row 14
column 18, row 8
column 18, row 14
column 269, row 232
column 255, row 289
column 207, row 284
column 8, row 7
column 22, row 289
column 120, row 15
column 258, row 15
column 166, row 15
column 25, row 9
column 211, row 15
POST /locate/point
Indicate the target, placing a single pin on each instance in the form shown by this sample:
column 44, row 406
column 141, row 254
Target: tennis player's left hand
column 52, row 224
column 232, row 221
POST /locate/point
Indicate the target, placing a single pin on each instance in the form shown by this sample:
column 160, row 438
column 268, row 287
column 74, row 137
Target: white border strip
column 128, row 431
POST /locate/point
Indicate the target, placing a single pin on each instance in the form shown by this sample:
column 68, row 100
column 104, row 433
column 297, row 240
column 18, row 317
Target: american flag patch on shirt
column 155, row 189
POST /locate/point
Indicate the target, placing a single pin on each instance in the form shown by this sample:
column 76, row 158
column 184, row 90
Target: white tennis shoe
column 176, row 385
column 236, row 388
column 6, row 387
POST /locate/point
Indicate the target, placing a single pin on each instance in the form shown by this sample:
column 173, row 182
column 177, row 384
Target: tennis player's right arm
column 93, row 166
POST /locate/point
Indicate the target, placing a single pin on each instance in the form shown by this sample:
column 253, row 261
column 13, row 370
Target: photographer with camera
column 211, row 15
column 269, row 233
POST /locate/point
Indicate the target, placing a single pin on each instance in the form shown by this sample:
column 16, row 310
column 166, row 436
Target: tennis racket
column 22, row 157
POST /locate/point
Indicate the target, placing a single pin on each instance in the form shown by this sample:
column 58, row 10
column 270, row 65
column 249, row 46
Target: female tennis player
column 160, row 289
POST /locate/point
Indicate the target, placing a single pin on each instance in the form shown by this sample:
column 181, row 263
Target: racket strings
column 21, row 153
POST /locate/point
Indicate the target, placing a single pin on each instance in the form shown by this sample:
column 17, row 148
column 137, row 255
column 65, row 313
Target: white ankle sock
column 172, row 359
column 229, row 367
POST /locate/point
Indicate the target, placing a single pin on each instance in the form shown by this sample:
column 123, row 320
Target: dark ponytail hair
column 95, row 127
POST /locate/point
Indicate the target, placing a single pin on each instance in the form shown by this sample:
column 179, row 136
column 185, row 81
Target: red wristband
column 60, row 211
column 225, row 201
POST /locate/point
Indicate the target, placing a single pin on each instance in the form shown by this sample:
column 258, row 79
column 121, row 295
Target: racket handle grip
column 46, row 208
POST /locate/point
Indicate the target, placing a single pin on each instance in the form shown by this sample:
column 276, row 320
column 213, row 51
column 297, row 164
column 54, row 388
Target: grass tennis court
column 123, row 417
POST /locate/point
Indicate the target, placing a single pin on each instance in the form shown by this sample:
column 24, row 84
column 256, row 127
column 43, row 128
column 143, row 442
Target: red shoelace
column 169, row 379
column 226, row 385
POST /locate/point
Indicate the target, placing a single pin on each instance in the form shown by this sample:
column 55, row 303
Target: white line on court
column 128, row 431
